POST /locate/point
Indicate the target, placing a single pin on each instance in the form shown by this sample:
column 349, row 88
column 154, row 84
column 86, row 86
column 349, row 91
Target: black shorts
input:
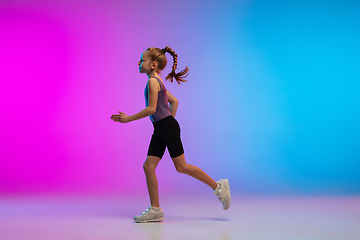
column 166, row 134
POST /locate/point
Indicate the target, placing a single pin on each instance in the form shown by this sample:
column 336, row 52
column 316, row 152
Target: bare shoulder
column 152, row 79
column 153, row 83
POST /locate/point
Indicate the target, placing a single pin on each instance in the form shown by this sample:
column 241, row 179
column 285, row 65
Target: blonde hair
column 158, row 55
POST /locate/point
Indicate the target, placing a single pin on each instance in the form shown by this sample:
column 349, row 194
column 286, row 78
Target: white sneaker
column 223, row 193
column 150, row 215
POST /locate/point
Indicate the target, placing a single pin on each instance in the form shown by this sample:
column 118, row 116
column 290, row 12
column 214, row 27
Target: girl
column 166, row 131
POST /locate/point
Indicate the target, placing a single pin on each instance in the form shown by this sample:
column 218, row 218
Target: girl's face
column 145, row 63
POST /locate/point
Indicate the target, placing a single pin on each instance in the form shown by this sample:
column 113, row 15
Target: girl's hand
column 122, row 117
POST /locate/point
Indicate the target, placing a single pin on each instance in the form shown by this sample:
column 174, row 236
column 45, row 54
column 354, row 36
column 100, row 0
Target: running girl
column 161, row 106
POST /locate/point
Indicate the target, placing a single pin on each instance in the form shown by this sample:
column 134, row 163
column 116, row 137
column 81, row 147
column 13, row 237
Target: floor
column 186, row 217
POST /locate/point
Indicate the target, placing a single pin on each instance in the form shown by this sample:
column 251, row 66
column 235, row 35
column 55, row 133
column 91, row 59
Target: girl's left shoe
column 150, row 215
column 223, row 193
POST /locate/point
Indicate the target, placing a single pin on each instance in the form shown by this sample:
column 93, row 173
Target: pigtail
column 180, row 76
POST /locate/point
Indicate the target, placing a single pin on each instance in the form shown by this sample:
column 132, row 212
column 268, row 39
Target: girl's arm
column 173, row 103
column 150, row 109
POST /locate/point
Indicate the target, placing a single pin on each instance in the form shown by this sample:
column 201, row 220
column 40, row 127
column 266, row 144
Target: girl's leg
column 152, row 184
column 193, row 171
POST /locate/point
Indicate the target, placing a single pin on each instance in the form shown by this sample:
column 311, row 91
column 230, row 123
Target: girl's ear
column 153, row 65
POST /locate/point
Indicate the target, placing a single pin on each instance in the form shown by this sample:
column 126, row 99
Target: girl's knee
column 150, row 165
column 148, row 168
column 145, row 167
column 181, row 168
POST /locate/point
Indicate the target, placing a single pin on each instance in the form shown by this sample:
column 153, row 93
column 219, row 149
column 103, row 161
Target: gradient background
column 272, row 101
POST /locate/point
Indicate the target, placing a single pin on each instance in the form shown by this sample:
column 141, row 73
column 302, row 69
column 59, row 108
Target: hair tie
column 164, row 50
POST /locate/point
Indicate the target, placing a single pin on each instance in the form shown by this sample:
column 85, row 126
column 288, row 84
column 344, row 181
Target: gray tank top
column 162, row 108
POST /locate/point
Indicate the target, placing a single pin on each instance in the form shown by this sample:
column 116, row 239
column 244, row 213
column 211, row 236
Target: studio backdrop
column 271, row 103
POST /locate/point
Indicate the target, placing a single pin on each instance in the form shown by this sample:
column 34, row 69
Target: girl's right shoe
column 223, row 193
column 150, row 215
